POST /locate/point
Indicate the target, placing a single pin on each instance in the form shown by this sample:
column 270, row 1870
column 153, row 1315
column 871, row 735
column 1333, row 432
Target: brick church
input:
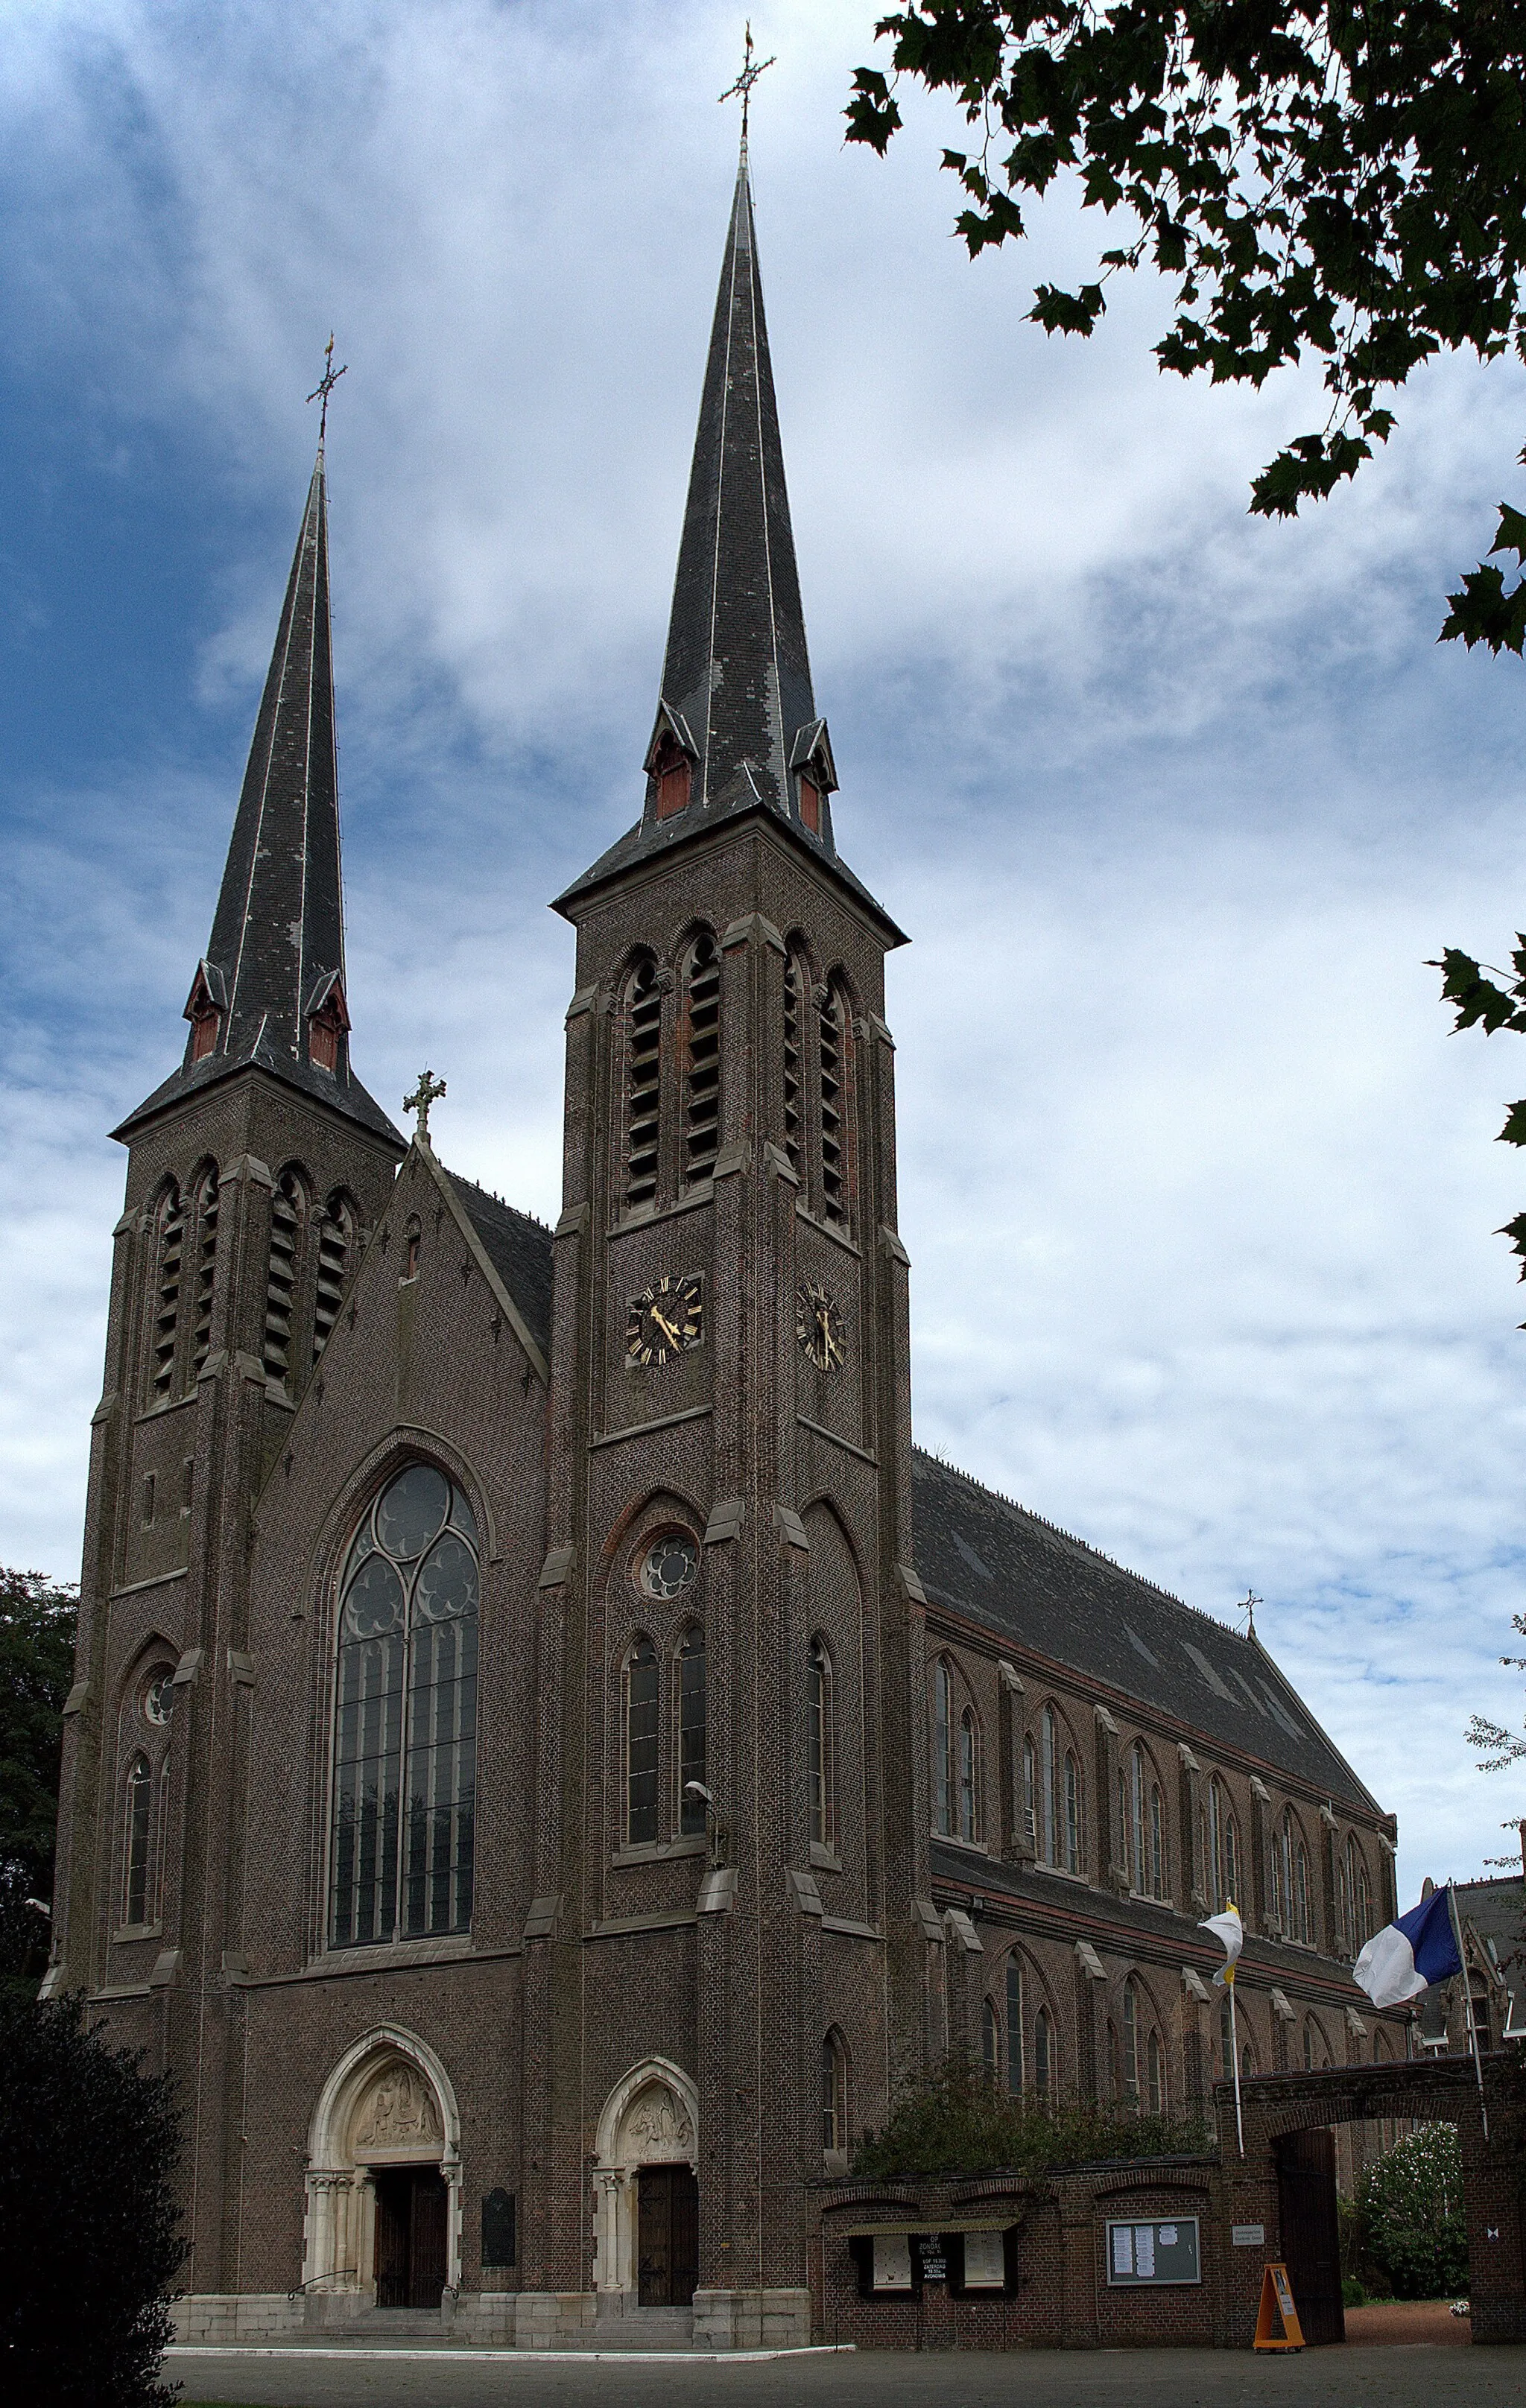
column 548, row 1756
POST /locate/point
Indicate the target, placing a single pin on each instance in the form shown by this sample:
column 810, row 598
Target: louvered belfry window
column 286, row 1208
column 834, row 1196
column 792, row 984
column 643, row 1010
column 167, row 1299
column 702, row 1060
column 334, row 1233
column 206, row 1198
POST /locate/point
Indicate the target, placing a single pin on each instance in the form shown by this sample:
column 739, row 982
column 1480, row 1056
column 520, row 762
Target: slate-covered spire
column 269, row 991
column 736, row 728
column 736, row 678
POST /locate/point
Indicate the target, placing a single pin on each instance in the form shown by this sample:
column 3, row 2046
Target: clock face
column 818, row 1324
column 665, row 1320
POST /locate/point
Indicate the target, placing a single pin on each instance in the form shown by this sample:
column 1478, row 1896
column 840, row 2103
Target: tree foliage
column 956, row 2120
column 36, row 1665
column 1317, row 181
column 90, row 2232
column 1410, row 2203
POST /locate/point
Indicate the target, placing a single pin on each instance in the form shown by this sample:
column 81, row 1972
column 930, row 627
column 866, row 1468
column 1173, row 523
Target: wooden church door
column 1311, row 2232
column 668, row 2236
column 410, row 2237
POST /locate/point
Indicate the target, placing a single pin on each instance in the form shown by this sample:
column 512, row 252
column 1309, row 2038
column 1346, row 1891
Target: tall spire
column 269, row 991
column 736, row 728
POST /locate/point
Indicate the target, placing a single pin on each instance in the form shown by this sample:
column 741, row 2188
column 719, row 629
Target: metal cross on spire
column 427, row 1091
column 748, row 77
column 325, row 386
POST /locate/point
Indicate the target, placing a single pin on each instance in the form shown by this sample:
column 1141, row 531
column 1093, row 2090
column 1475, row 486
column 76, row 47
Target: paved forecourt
column 1354, row 2377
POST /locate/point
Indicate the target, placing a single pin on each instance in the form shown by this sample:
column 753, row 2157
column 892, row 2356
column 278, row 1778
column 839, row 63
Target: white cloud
column 1175, row 804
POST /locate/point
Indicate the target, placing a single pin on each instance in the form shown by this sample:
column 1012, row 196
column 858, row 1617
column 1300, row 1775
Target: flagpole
column 1235, row 2053
column 1467, row 2001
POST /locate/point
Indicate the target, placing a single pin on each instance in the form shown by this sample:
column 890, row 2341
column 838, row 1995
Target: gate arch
column 650, row 2117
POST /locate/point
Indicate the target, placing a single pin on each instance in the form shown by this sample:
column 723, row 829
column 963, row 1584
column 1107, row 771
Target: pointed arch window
column 796, row 983
column 1132, row 2043
column 1031, row 1792
column 702, row 1059
column 1050, row 1835
column 1046, row 2060
column 834, row 2094
column 1215, row 1845
column 1232, row 1883
column 205, row 1210
column 990, row 2040
column 139, row 1807
column 819, row 1743
column 1156, row 2067
column 288, row 1214
column 336, row 1236
column 1301, row 1895
column 1364, row 1910
column 403, row 1833
column 692, row 1711
column 643, row 1691
column 1015, row 2025
column 1158, row 1843
column 169, row 1241
column 1072, row 1812
column 643, row 1064
column 835, row 1038
column 969, row 1796
column 943, row 1776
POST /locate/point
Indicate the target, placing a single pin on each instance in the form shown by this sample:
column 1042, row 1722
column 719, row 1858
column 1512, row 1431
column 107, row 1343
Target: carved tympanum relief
column 656, row 2129
column 397, row 2111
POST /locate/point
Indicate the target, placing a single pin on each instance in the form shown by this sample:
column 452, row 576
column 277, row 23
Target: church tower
column 731, row 1833
column 254, row 1174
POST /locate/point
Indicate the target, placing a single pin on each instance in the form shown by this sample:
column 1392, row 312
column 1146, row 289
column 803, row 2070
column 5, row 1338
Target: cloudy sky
column 1199, row 1192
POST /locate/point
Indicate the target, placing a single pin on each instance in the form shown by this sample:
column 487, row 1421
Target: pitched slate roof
column 519, row 1249
column 736, row 693
column 276, row 948
column 1004, row 1567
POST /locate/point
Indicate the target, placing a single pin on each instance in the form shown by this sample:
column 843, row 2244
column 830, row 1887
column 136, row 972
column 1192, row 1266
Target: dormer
column 813, row 776
column 670, row 759
column 206, row 1007
column 328, row 1023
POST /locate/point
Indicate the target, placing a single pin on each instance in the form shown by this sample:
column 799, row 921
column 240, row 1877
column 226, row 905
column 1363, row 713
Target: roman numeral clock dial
column 818, row 1324
column 667, row 1319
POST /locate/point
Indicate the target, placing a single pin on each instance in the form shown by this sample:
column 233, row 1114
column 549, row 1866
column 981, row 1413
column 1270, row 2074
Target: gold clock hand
column 666, row 1326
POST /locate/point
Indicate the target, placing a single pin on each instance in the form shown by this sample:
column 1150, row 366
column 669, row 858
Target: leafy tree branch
column 1322, row 180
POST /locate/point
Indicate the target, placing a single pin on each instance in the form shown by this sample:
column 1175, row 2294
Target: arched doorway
column 383, row 2181
column 648, row 2196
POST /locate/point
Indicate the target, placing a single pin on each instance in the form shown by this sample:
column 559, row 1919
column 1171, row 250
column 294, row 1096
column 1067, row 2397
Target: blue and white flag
column 1408, row 1956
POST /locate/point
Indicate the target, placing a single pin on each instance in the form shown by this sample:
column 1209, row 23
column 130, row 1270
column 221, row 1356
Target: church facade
column 547, row 1757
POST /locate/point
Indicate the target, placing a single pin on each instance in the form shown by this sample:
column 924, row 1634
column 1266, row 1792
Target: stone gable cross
column 427, row 1091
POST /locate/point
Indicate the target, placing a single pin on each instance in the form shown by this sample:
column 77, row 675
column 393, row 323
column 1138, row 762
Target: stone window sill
column 970, row 1847
column 1061, row 1872
column 827, row 1858
column 658, row 1852
column 138, row 1931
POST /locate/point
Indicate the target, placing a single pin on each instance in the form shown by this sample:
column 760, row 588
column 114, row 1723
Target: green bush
column 1411, row 2206
column 90, row 2232
column 957, row 2121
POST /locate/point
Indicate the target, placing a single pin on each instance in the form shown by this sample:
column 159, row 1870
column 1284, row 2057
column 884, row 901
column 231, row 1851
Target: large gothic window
column 944, row 1775
column 1015, row 2025
column 406, row 1716
column 643, row 1692
column 135, row 1904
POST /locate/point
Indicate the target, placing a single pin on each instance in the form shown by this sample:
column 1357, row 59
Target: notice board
column 1162, row 2252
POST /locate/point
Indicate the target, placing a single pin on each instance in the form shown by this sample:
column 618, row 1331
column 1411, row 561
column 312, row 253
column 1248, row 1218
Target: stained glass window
column 405, row 1757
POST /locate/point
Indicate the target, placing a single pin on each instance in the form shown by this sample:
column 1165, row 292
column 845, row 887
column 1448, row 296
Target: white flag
column 1231, row 1931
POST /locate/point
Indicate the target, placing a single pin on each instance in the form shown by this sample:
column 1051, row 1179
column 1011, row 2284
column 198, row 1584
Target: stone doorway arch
column 387, row 2104
column 650, row 2119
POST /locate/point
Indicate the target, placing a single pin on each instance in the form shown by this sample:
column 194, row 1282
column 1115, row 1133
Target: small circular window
column 159, row 1698
column 668, row 1565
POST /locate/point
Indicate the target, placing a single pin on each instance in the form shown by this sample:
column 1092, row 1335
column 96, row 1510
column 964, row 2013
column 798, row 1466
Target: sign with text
column 1166, row 2252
